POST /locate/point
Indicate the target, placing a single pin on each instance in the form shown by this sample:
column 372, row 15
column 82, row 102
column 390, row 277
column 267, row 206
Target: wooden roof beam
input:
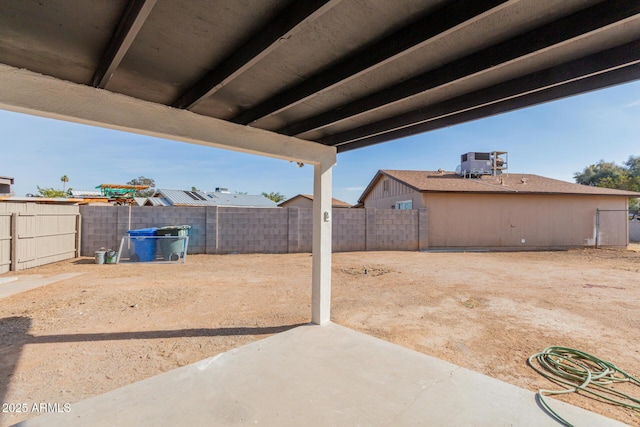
column 613, row 66
column 133, row 17
column 459, row 12
column 257, row 47
column 573, row 26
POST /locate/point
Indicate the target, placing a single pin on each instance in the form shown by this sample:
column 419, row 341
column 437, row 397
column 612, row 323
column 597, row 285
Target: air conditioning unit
column 476, row 164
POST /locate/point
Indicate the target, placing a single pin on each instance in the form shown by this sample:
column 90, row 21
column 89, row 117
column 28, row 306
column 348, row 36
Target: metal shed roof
column 201, row 198
column 343, row 73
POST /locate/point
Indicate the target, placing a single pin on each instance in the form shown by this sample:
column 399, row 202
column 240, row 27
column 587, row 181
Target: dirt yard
column 117, row 324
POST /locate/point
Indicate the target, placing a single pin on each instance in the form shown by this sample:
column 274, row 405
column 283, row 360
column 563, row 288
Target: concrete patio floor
column 11, row 285
column 318, row 376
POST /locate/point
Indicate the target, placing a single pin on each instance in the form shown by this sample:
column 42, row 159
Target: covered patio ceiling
column 340, row 73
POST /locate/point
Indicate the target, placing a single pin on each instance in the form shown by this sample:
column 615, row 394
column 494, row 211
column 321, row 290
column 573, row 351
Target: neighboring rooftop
column 44, row 200
column 446, row 181
column 85, row 193
column 165, row 197
column 334, row 202
column 120, row 190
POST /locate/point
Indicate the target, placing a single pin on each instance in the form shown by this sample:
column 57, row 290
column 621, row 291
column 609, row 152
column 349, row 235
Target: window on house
column 404, row 205
column 385, row 185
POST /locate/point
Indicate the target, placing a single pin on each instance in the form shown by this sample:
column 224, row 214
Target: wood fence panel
column 5, row 242
column 32, row 235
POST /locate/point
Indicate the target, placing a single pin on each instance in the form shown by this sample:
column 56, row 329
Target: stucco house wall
column 524, row 221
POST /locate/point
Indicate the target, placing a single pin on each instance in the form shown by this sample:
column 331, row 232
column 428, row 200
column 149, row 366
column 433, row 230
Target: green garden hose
column 581, row 372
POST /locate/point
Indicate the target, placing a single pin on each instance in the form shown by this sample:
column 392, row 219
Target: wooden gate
column 34, row 235
column 612, row 228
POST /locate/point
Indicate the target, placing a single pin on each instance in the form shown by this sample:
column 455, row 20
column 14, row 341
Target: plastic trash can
column 144, row 249
column 172, row 249
column 110, row 257
column 100, row 255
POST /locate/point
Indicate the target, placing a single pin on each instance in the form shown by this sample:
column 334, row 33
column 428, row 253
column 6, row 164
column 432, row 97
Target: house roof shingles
column 447, row 182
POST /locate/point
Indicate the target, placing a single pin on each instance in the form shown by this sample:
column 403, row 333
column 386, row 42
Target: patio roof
column 346, row 74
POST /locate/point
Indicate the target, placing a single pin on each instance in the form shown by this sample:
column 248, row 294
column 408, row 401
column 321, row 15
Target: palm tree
column 64, row 180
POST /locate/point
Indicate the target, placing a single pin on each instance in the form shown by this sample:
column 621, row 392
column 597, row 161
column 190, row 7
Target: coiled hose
column 580, row 371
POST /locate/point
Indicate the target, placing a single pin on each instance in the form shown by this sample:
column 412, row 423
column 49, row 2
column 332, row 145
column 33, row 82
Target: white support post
column 321, row 274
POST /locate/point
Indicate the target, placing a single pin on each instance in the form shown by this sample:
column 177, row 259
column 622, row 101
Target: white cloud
column 633, row 104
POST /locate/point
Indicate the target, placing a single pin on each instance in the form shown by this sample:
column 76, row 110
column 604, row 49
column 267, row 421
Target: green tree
column 633, row 165
column 64, row 180
column 609, row 175
column 194, row 188
column 594, row 174
column 141, row 180
column 50, row 192
column 276, row 197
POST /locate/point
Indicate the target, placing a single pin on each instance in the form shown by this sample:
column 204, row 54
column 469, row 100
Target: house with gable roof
column 515, row 211
column 306, row 201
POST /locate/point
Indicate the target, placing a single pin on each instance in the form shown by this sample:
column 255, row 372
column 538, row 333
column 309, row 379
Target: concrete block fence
column 224, row 230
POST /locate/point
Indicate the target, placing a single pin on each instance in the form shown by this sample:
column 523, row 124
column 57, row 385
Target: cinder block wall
column 348, row 233
column 223, row 230
column 394, row 230
column 251, row 230
column 634, row 231
column 106, row 225
column 305, row 230
column 99, row 228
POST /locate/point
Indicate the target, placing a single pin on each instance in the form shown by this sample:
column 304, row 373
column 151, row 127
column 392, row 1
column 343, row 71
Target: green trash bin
column 172, row 249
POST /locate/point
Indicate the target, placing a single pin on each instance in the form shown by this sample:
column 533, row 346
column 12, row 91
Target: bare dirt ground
column 117, row 324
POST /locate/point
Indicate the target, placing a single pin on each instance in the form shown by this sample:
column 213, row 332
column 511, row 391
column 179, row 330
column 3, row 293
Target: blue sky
column 555, row 140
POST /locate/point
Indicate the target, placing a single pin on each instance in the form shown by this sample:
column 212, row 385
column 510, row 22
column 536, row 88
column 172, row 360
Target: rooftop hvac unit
column 476, row 164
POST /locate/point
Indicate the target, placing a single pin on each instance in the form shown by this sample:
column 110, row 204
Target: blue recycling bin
column 143, row 249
